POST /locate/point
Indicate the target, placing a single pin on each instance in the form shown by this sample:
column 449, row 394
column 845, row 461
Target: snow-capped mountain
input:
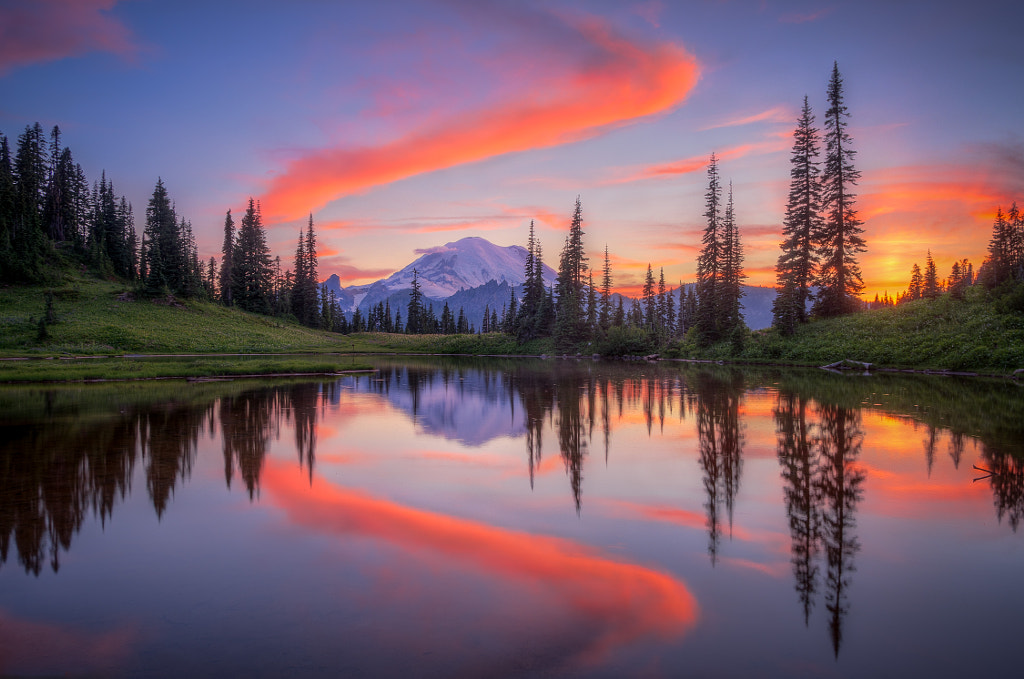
column 474, row 274
column 444, row 270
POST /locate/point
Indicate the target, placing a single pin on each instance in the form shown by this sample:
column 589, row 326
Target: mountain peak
column 463, row 264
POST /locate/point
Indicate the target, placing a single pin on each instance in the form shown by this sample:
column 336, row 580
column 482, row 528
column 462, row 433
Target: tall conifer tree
column 796, row 266
column 839, row 278
column 570, row 316
column 227, row 258
column 709, row 262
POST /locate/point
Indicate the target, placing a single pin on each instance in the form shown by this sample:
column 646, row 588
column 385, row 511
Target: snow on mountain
column 467, row 263
column 446, row 269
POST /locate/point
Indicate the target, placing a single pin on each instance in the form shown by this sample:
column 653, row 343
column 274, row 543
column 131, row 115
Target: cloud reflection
column 620, row 602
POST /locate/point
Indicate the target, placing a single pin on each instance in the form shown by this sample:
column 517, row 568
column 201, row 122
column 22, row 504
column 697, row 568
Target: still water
column 477, row 518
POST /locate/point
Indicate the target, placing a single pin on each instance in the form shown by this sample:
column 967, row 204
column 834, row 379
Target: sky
column 401, row 125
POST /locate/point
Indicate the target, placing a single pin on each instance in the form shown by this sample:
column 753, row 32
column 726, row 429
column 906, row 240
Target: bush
column 626, row 342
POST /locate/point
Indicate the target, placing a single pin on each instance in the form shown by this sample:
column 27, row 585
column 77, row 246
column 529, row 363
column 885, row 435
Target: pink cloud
column 805, row 17
column 37, row 31
column 608, row 82
column 772, row 115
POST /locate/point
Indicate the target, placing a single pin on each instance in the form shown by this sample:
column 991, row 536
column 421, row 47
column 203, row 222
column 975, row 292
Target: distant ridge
column 475, row 274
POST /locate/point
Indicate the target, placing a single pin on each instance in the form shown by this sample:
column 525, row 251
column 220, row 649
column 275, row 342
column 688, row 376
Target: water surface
column 474, row 517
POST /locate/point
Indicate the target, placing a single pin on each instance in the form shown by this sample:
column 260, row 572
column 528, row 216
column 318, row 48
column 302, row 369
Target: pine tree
column 415, row 312
column 306, row 304
column 709, row 262
column 930, row 285
column 162, row 243
column 530, row 323
column 227, row 254
column 570, row 316
column 796, row 266
column 252, row 268
column 916, row 286
column 839, row 239
column 619, row 319
column 604, row 318
column 731, row 288
column 650, row 305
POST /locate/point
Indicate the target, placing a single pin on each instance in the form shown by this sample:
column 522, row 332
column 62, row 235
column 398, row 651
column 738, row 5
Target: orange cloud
column 35, row 31
column 626, row 602
column 696, row 163
column 617, row 81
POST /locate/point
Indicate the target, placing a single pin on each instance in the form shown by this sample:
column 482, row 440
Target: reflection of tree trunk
column 571, row 441
column 839, row 441
column 929, row 449
column 956, row 448
column 800, row 468
column 720, row 449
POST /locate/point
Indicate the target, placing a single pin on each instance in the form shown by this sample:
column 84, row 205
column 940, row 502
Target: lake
column 515, row 517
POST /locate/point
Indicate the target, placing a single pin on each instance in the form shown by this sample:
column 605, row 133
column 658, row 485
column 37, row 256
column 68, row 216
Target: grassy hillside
column 975, row 335
column 93, row 316
column 96, row 317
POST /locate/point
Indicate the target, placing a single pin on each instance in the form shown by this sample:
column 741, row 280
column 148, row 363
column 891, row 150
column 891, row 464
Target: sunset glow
column 405, row 125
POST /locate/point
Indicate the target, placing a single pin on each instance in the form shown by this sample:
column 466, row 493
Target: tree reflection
column 720, row 444
column 822, row 488
column 800, row 468
column 83, row 462
column 839, row 440
column 1007, row 482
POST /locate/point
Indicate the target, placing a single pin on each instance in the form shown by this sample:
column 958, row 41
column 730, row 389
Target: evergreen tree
column 661, row 319
column 731, row 289
column 570, row 316
column 796, row 266
column 709, row 262
column 162, row 243
column 591, row 305
column 619, row 319
column 512, row 312
column 415, row 312
column 447, row 321
column 306, row 304
column 839, row 278
column 916, row 286
column 604, row 317
column 649, row 302
column 930, row 285
column 529, row 322
column 227, row 258
column 252, row 271
column 24, row 243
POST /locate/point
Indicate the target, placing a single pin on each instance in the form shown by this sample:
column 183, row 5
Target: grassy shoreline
column 161, row 368
column 95, row 317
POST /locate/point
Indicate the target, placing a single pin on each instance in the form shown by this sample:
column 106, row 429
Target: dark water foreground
column 515, row 518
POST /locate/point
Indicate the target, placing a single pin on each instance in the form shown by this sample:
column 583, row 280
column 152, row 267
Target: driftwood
column 988, row 473
column 847, row 364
